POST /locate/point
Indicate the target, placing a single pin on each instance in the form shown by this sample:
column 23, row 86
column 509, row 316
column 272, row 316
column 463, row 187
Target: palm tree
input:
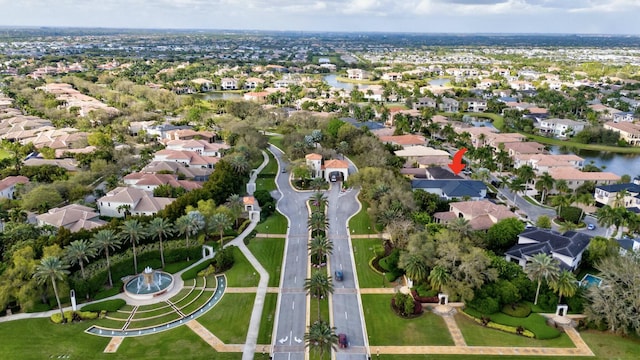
column 619, row 200
column 562, row 187
column 318, row 222
column 235, row 204
column 414, row 266
column 78, row 252
column 190, row 224
column 561, row 201
column 460, row 226
column 525, row 173
column 606, row 217
column 52, row 268
column 220, row 222
column 240, row 164
column 319, row 200
column 317, row 183
column 320, row 246
column 160, row 228
column 567, row 226
column 584, row 199
column 319, row 285
column 321, row 338
column 105, row 240
column 133, row 231
column 545, row 183
column 503, row 159
column 516, row 185
column 566, row 284
column 439, row 277
column 542, row 267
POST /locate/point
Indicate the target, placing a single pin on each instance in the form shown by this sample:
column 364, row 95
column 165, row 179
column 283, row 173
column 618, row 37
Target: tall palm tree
column 503, row 159
column 544, row 183
column 414, row 266
column 318, row 200
column 105, row 240
column 190, row 224
column 525, row 173
column 317, row 183
column 516, row 185
column 439, row 277
column 320, row 246
column 318, row 222
column 235, row 204
column 562, row 187
column 52, row 268
column 461, row 227
column 319, row 285
column 220, row 222
column 542, row 267
column 584, row 199
column 606, row 217
column 133, row 231
column 561, row 201
column 619, row 200
column 160, row 228
column 321, row 338
column 78, row 252
column 566, row 284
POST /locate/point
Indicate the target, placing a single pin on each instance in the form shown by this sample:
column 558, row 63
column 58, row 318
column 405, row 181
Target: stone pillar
column 443, row 299
column 561, row 310
column 74, row 305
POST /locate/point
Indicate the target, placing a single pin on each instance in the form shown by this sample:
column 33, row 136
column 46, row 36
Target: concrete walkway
column 244, row 290
column 454, row 330
column 211, row 339
column 388, row 290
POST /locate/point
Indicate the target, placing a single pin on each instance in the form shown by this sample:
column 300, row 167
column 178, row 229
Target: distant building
column 567, row 248
column 119, row 201
column 8, row 186
column 629, row 132
column 561, row 128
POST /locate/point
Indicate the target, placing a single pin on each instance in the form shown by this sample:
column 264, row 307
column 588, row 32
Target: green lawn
column 276, row 141
column 384, row 327
column 269, row 251
column 141, row 324
column 360, row 223
column 266, row 179
column 573, row 144
column 477, row 335
column 268, row 316
column 274, row 224
column 4, row 154
column 242, row 274
column 535, row 323
column 229, row 319
column 324, row 309
column 363, row 252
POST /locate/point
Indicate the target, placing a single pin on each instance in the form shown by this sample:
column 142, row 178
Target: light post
column 369, row 231
column 267, row 230
column 384, row 274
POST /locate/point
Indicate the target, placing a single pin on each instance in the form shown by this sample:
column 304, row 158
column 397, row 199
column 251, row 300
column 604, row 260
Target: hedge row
column 501, row 327
column 425, row 299
column 70, row 316
column 107, row 305
column 193, row 272
column 535, row 323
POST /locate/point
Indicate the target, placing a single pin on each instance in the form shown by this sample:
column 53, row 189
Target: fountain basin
column 148, row 284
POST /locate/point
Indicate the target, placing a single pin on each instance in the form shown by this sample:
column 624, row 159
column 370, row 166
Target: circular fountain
column 148, row 284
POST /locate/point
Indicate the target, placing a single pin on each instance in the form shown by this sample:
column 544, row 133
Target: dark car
column 342, row 340
column 339, row 276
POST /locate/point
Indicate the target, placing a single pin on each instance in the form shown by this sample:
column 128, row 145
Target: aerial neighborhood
column 288, row 196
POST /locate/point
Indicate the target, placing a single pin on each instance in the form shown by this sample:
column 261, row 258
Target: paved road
column 290, row 322
column 347, row 314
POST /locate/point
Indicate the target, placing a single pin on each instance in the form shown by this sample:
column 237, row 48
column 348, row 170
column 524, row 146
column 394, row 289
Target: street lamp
column 369, row 231
column 384, row 274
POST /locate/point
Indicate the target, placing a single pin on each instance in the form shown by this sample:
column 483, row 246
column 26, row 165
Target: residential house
column 575, row 177
column 629, row 132
column 201, row 147
column 475, row 104
column 203, row 85
column 8, row 186
column 189, row 173
column 228, row 84
column 627, row 116
column 357, row 74
column 392, row 76
column 449, row 105
column 628, row 245
column 521, row 85
column 481, row 214
column 252, row 83
column 440, row 173
column 487, row 83
column 542, row 163
column 73, row 217
column 123, row 200
column 335, row 170
column 524, row 148
column 561, row 127
column 424, row 156
column 604, row 112
column 424, row 102
column 452, row 189
column 189, row 158
column 567, row 248
column 314, row 162
column 260, row 96
column 627, row 195
column 189, row 134
column 404, row 140
column 150, row 182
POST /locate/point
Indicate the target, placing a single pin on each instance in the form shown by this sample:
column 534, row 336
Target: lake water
column 332, row 80
column 438, row 82
column 619, row 164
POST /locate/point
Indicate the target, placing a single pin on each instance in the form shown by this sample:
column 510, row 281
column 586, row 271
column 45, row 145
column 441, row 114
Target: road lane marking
column 293, row 305
column 345, row 315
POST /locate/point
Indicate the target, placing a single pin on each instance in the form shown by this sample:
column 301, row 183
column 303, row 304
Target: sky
column 422, row 16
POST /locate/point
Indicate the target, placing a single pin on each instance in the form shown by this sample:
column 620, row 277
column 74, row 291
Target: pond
column 619, row 164
column 332, row 80
column 438, row 82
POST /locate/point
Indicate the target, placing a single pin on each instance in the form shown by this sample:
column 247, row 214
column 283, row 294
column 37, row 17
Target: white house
column 561, row 127
column 228, row 84
column 567, row 248
column 121, row 200
column 8, row 185
column 314, row 162
column 336, row 170
column 357, row 74
column 201, row 147
column 73, row 217
column 449, row 105
column 188, row 158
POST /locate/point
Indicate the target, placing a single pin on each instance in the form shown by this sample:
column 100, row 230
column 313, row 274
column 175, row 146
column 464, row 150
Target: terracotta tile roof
column 10, row 181
column 404, row 139
column 569, row 173
column 73, row 217
column 313, row 156
column 336, row 164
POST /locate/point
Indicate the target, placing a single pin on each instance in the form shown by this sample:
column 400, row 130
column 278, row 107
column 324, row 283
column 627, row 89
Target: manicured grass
column 197, row 303
column 141, row 324
column 266, row 179
column 150, row 307
column 111, row 324
column 4, row 154
column 268, row 316
column 535, row 323
column 108, row 305
column 242, row 274
column 274, row 224
column 477, row 335
column 277, row 141
column 386, row 328
column 324, row 309
column 181, row 295
column 175, row 267
column 573, row 144
column 149, row 314
column 119, row 315
column 360, row 223
column 363, row 252
column 269, row 251
column 185, row 301
column 229, row 319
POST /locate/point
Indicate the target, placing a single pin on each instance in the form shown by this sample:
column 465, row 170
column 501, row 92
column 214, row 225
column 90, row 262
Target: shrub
column 38, row 307
column 70, row 316
column 519, row 310
column 571, row 213
column 107, row 305
column 390, row 263
column 425, row 299
column 485, row 305
column 243, row 226
column 404, row 305
column 224, row 260
column 208, row 271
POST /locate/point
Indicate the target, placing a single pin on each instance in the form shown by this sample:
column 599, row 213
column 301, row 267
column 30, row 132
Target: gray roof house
column 567, row 248
column 452, row 188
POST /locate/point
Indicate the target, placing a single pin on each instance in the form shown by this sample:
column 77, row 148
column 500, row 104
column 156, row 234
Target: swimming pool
column 590, row 280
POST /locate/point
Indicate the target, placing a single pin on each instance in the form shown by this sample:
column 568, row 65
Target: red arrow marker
column 456, row 166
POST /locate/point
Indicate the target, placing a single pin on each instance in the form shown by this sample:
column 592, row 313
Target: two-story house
column 8, row 186
column 452, row 189
column 481, row 214
column 449, row 105
column 228, row 84
column 475, row 104
column 357, row 74
column 629, row 132
column 627, row 195
column 561, row 128
column 567, row 248
column 425, row 102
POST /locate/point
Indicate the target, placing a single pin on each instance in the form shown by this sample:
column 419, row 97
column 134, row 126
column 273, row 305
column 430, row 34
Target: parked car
column 338, row 275
column 591, row 227
column 342, row 340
